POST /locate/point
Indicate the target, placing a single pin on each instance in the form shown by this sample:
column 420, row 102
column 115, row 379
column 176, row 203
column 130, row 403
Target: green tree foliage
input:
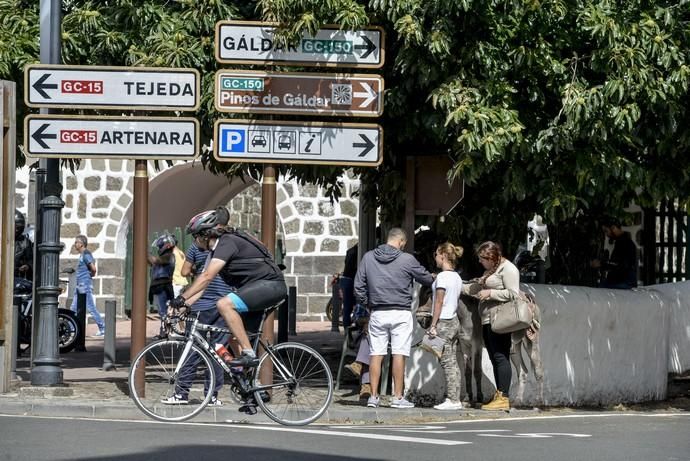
column 570, row 108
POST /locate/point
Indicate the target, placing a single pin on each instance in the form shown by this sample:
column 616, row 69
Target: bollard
column 81, row 321
column 336, row 302
column 109, row 349
column 14, row 343
column 292, row 311
column 283, row 322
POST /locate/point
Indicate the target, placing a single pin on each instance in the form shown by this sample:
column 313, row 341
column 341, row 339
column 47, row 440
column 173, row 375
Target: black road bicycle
column 299, row 390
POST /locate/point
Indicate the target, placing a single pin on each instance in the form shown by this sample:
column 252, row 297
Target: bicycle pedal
column 248, row 409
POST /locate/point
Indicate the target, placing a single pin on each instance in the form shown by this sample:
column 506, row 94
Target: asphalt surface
column 91, row 392
column 605, row 436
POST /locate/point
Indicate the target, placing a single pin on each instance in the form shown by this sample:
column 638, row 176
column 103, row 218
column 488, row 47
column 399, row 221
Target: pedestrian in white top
column 445, row 324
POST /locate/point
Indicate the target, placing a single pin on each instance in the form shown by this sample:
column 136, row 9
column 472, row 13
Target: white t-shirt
column 452, row 283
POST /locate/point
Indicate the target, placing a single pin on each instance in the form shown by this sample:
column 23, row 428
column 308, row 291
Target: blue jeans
column 162, row 299
column 348, row 286
column 90, row 304
column 188, row 370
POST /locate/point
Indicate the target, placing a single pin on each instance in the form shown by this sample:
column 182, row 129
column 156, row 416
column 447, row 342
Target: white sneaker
column 215, row 402
column 448, row 404
column 402, row 402
column 176, row 399
column 373, row 402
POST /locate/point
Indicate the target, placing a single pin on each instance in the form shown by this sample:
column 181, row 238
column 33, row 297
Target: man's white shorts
column 394, row 323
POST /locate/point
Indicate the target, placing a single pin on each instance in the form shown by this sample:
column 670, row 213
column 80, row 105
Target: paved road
column 633, row 437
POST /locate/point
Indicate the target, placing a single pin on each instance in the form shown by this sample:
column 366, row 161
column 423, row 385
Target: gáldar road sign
column 150, row 138
column 299, row 93
column 93, row 87
column 252, row 42
column 265, row 141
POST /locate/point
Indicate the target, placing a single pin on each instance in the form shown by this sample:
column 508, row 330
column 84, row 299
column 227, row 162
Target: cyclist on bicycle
column 242, row 262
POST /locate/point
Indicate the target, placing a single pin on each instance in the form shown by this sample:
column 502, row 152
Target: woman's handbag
column 513, row 315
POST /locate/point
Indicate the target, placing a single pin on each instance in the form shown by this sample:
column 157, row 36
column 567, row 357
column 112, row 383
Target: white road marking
column 455, row 431
column 392, row 438
column 536, row 435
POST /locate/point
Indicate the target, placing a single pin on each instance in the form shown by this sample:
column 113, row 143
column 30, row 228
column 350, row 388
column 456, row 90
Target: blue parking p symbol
column 232, row 141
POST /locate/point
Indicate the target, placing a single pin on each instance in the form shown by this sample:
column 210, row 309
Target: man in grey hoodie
column 384, row 284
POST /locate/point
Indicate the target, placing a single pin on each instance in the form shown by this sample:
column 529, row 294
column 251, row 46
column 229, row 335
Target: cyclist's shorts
column 259, row 295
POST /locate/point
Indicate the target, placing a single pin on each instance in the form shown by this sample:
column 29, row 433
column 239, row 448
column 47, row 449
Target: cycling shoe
column 244, row 361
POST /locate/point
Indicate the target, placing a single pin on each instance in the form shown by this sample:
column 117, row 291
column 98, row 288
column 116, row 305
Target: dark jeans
column 498, row 347
column 188, row 370
column 348, row 286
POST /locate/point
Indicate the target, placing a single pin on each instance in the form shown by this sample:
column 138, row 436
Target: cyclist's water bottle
column 223, row 353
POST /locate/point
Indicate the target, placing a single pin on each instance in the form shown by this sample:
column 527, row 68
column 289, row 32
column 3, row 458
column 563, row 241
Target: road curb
column 57, row 407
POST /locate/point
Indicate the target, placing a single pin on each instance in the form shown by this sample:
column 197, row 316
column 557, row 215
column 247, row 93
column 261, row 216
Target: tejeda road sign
column 128, row 88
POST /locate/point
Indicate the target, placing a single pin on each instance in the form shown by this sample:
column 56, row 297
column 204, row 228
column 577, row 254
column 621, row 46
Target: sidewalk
column 89, row 391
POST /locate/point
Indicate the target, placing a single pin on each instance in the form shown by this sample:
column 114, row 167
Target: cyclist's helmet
column 208, row 223
column 19, row 223
column 164, row 243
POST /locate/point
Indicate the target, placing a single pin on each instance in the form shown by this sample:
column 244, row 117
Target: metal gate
column 666, row 244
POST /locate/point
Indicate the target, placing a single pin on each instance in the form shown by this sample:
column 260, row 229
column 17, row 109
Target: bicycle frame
column 194, row 336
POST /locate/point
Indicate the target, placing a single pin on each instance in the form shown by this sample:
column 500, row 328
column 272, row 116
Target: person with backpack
column 242, row 262
column 162, row 269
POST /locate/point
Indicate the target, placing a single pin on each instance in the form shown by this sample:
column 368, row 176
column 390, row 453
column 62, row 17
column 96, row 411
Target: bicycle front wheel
column 166, row 389
column 301, row 387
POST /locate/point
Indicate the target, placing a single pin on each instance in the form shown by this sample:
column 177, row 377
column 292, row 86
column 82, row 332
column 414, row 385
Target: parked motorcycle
column 531, row 267
column 68, row 327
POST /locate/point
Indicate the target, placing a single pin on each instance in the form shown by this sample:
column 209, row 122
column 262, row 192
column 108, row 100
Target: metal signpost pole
column 46, row 369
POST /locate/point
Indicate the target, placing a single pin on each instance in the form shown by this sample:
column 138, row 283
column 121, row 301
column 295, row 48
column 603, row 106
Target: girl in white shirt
column 446, row 290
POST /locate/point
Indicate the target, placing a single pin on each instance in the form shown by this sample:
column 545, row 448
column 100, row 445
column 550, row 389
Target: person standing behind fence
column 179, row 280
column 499, row 284
column 162, row 268
column 384, row 284
column 347, row 285
column 86, row 271
column 445, row 324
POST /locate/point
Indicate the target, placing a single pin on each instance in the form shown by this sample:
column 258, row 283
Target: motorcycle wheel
column 68, row 330
column 329, row 310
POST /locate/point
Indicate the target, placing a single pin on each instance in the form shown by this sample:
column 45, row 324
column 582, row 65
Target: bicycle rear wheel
column 166, row 390
column 302, row 385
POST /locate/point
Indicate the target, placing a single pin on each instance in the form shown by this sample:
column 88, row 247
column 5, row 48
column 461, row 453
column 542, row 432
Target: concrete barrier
column 677, row 297
column 598, row 346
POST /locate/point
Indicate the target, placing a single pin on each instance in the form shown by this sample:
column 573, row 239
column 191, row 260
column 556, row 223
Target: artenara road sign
column 129, row 88
column 150, row 138
column 251, row 42
column 299, row 93
column 264, row 141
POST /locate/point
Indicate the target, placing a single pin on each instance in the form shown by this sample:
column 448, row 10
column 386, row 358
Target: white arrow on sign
column 252, row 42
column 94, row 87
column 263, row 141
column 151, row 138
column 369, row 94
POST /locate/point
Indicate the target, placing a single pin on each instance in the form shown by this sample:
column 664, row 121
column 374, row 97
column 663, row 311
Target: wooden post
column 8, row 149
column 140, row 251
column 268, row 236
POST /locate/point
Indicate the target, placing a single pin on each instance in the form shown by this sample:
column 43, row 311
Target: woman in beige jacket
column 500, row 283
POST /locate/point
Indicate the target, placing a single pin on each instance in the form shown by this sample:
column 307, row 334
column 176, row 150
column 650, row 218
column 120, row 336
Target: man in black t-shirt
column 242, row 262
